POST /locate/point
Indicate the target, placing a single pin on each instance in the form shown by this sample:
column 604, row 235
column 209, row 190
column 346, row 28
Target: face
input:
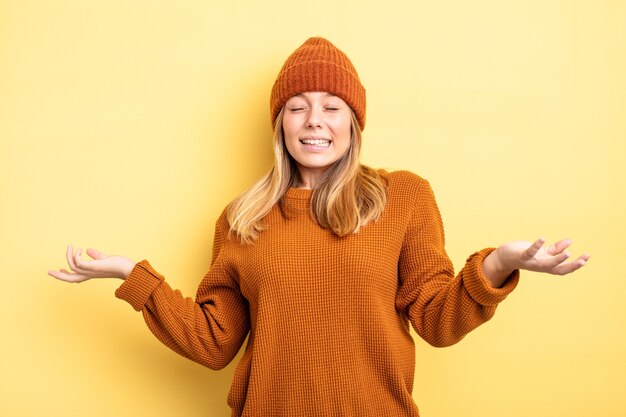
column 317, row 130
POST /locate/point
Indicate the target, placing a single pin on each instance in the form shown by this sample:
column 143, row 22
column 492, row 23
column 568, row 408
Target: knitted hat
column 318, row 65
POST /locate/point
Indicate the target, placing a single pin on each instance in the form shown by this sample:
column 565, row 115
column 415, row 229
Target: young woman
column 324, row 264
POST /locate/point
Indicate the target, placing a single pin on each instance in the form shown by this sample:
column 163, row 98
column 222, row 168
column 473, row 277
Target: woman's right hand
column 101, row 266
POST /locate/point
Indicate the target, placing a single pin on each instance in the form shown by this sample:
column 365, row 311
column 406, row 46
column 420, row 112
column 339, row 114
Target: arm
column 209, row 330
column 441, row 307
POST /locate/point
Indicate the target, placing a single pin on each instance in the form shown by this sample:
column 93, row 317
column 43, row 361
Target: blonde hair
column 348, row 197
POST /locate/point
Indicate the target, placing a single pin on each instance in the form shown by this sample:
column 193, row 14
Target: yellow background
column 128, row 126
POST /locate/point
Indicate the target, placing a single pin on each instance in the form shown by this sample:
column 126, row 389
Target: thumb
column 95, row 254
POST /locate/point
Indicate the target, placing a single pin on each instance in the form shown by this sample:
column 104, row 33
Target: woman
column 324, row 264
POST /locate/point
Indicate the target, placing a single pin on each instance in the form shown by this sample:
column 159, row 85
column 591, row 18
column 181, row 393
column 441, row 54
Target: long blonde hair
column 348, row 197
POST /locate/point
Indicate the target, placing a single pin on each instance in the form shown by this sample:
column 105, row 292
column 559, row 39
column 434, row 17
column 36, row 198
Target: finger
column 75, row 259
column 78, row 261
column 569, row 267
column 559, row 246
column 69, row 253
column 67, row 277
column 95, row 254
column 557, row 260
column 55, row 274
column 58, row 274
column 582, row 260
column 72, row 258
column 535, row 247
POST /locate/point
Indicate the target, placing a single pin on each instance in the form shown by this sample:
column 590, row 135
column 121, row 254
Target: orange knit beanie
column 318, row 65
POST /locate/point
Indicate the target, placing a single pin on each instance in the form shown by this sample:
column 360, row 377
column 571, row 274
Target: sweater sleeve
column 208, row 330
column 441, row 307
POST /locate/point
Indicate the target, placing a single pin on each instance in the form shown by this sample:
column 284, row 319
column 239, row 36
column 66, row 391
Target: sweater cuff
column 480, row 288
column 139, row 285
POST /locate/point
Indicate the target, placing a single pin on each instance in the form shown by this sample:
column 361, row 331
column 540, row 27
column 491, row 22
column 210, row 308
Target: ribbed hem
column 139, row 285
column 479, row 287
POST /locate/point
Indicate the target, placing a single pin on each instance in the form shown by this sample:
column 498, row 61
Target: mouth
column 316, row 141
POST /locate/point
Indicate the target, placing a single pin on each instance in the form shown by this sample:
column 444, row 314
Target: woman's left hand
column 531, row 256
column 539, row 258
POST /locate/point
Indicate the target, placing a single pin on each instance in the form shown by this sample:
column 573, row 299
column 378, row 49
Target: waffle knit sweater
column 328, row 318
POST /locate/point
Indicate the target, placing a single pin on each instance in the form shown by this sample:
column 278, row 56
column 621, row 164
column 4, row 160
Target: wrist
column 502, row 261
column 495, row 269
column 127, row 267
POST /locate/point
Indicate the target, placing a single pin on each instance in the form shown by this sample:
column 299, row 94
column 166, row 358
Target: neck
column 308, row 178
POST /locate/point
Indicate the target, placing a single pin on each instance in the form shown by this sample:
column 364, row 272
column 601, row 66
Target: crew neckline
column 299, row 193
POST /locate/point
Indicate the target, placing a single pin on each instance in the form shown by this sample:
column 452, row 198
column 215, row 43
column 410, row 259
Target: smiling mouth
column 316, row 142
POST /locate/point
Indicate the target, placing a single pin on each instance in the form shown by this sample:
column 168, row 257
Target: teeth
column 316, row 142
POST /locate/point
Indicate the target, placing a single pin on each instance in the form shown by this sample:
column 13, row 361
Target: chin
column 317, row 164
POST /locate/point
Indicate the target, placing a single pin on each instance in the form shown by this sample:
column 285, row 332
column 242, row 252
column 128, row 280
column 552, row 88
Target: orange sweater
column 327, row 317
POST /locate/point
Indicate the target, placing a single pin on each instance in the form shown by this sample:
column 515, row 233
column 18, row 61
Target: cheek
column 290, row 128
column 289, row 141
column 289, row 147
column 343, row 132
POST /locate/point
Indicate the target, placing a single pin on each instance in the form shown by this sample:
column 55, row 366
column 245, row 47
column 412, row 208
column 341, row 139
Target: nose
column 314, row 118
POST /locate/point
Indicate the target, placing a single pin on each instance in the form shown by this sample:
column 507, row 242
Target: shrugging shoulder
column 442, row 307
column 210, row 329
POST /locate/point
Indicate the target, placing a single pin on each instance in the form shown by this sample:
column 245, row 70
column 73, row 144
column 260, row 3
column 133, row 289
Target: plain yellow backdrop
column 129, row 125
